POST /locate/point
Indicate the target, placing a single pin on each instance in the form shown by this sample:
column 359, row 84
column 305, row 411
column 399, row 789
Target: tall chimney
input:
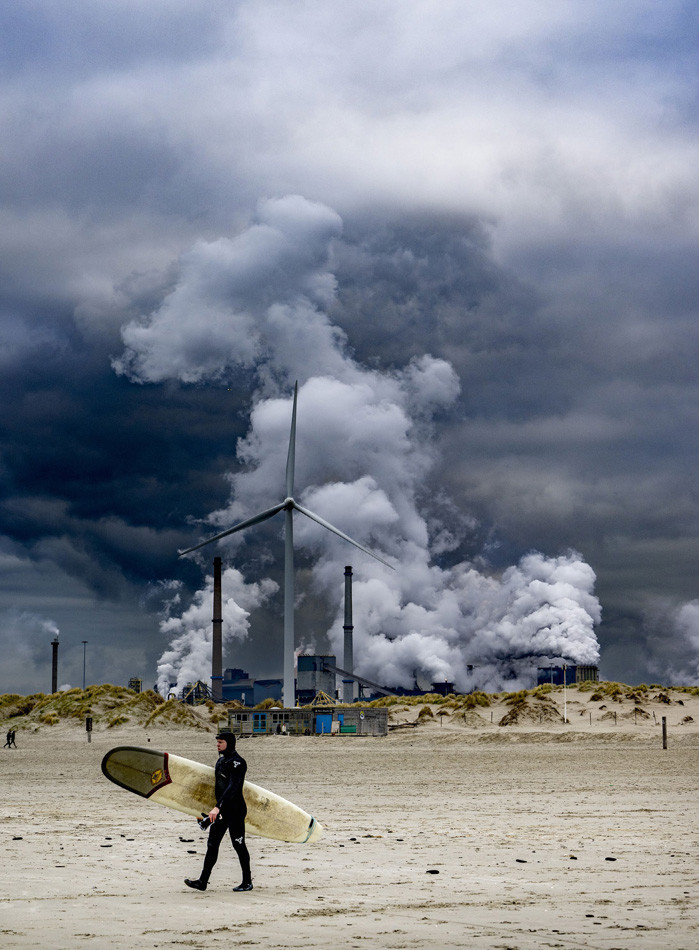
column 348, row 658
column 217, row 639
column 54, row 666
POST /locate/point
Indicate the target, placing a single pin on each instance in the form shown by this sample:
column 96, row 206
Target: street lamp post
column 84, row 647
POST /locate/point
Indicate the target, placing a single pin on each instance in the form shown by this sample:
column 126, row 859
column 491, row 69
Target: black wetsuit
column 230, row 775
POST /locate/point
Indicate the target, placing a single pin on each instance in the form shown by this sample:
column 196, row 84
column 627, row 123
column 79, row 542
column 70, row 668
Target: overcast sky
column 468, row 230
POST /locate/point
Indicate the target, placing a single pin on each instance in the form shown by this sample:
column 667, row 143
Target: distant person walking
column 13, row 744
column 228, row 814
column 8, row 740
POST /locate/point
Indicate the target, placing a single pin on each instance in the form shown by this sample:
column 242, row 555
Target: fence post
column 664, row 732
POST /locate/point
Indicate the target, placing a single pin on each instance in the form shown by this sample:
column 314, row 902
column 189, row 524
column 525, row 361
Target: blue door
column 323, row 722
column 259, row 722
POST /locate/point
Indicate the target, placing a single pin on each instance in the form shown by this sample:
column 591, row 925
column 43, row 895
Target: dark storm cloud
column 81, row 445
column 98, row 479
column 518, row 192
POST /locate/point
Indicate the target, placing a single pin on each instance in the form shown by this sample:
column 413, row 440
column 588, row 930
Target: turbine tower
column 288, row 506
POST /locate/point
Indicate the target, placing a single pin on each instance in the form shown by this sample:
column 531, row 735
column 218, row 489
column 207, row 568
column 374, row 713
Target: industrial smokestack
column 348, row 658
column 54, row 666
column 217, row 639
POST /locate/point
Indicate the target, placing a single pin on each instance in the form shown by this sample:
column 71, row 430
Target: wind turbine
column 288, row 506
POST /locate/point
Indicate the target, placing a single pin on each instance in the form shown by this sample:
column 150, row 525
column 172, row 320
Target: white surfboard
column 188, row 787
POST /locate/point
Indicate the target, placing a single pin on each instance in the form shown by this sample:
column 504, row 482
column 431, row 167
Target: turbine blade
column 256, row 519
column 291, row 457
column 341, row 534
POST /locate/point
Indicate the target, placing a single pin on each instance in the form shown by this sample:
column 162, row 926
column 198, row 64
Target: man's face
column 221, row 745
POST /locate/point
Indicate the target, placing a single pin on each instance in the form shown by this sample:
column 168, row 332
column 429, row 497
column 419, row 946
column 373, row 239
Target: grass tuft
column 518, row 697
column 476, row 698
column 117, row 721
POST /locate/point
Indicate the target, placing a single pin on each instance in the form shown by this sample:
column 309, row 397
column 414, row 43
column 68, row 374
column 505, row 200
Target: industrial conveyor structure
column 360, row 680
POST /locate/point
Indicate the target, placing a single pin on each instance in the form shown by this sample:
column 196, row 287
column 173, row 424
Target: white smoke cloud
column 26, row 640
column 672, row 639
column 28, row 627
column 243, row 301
column 439, row 622
column 687, row 622
column 188, row 657
column 42, row 624
column 364, row 455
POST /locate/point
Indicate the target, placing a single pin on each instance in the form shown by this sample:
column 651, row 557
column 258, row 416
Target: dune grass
column 111, row 706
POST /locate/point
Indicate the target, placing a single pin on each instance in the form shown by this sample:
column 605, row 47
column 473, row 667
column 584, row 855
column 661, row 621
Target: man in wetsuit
column 228, row 814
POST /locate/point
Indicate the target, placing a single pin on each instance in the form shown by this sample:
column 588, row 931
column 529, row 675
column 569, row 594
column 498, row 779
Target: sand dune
column 589, row 708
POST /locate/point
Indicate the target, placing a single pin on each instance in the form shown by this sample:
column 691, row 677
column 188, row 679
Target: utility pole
column 84, row 648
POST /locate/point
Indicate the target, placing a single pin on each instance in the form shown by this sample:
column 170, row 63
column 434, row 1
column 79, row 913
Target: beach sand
column 571, row 835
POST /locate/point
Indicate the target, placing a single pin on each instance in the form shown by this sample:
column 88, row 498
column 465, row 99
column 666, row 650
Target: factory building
column 237, row 685
column 194, row 693
column 312, row 677
column 568, row 675
column 443, row 689
column 316, row 674
column 318, row 720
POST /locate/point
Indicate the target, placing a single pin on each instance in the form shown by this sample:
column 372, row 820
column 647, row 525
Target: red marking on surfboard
column 163, row 780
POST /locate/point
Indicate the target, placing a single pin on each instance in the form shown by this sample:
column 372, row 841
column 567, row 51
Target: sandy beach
column 578, row 834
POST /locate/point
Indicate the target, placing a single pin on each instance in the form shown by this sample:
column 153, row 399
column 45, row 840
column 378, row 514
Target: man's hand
column 213, row 814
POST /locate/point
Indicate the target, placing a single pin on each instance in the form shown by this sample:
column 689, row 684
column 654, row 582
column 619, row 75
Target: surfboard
column 188, row 787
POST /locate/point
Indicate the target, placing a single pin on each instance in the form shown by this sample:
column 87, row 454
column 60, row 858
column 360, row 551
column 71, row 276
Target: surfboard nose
column 315, row 832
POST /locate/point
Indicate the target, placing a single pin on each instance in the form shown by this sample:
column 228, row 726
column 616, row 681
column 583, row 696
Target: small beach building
column 310, row 720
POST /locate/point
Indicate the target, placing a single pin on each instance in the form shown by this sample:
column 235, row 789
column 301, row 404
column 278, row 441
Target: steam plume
column 365, row 453
column 29, row 626
column 672, row 634
column 188, row 657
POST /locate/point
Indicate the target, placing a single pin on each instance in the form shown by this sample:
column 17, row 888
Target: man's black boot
column 245, row 886
column 197, row 885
